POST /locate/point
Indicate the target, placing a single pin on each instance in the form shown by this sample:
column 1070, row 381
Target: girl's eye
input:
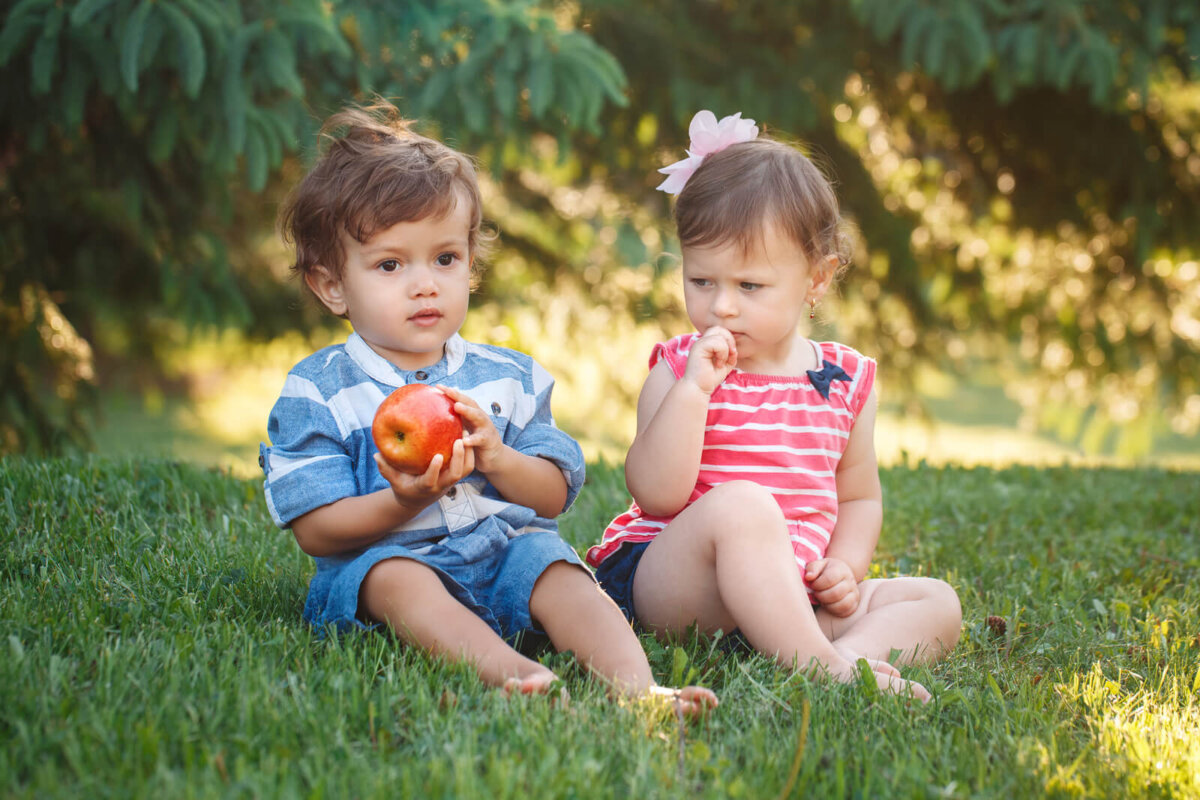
column 447, row 259
column 701, row 283
column 391, row 265
column 750, row 287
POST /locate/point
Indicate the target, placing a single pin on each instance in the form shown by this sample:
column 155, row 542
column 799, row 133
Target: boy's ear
column 328, row 288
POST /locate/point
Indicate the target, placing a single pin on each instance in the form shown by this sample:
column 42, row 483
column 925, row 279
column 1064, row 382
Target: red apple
column 413, row 424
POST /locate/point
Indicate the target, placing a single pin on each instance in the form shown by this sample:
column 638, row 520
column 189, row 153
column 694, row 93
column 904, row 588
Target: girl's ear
column 328, row 288
column 822, row 277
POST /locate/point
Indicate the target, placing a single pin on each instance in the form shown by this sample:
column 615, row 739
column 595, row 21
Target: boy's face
column 405, row 290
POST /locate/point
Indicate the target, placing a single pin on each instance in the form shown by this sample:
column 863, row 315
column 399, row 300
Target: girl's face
column 405, row 290
column 759, row 296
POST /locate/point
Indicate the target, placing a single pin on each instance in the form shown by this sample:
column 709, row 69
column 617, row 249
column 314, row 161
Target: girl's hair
column 734, row 193
column 374, row 172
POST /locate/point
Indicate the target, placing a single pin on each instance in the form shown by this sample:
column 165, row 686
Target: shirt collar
column 385, row 372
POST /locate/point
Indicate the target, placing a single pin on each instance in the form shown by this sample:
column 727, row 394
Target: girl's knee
column 942, row 604
column 742, row 503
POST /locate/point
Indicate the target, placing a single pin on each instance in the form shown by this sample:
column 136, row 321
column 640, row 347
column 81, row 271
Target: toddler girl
column 756, row 496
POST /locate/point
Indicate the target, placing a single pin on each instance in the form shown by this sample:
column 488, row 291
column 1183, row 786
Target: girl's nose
column 724, row 304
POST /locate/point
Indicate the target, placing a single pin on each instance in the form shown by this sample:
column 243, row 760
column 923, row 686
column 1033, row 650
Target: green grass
column 151, row 645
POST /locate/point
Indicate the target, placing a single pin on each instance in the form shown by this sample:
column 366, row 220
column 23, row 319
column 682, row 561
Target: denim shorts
column 496, row 586
column 615, row 576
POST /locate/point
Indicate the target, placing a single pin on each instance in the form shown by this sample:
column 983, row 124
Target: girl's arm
column 354, row 522
column 664, row 460
column 860, row 497
column 834, row 579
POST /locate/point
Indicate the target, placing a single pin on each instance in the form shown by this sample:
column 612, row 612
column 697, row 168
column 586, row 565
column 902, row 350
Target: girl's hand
column 833, row 584
column 418, row 491
column 711, row 358
column 480, row 436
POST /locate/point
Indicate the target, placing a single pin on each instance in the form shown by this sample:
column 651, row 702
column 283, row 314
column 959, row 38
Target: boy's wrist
column 497, row 462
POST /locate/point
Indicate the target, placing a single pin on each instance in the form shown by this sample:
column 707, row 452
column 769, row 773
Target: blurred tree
column 136, row 137
column 1025, row 175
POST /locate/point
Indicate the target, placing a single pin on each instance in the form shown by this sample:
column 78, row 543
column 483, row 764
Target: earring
column 812, row 309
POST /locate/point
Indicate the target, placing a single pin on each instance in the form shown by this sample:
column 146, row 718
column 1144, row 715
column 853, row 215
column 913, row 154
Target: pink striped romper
column 779, row 432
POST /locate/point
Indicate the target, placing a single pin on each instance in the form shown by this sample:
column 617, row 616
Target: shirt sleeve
column 307, row 464
column 674, row 352
column 540, row 437
column 864, row 382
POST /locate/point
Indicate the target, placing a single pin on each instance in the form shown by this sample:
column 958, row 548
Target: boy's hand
column 418, row 491
column 481, row 437
column 711, row 358
column 833, row 584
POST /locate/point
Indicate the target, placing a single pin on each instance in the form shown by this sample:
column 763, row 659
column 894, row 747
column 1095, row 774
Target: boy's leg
column 410, row 598
column 578, row 616
column 726, row 562
column 920, row 617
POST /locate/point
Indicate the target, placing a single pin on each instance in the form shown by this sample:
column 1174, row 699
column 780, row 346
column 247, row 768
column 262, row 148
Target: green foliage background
column 1024, row 175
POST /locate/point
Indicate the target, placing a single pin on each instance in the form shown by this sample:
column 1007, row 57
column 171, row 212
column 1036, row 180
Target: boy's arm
column 529, row 481
column 522, row 478
column 860, row 496
column 350, row 523
column 359, row 520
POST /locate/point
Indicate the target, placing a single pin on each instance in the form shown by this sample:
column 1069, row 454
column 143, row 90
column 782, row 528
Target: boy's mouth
column 426, row 316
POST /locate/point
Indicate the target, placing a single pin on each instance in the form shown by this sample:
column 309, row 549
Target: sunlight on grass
column 1143, row 735
column 598, row 359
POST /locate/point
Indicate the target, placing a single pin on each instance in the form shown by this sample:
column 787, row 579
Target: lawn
column 151, row 645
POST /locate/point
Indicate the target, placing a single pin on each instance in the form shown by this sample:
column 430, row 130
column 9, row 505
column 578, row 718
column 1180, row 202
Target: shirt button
column 422, row 375
column 495, row 408
column 452, row 492
column 260, row 461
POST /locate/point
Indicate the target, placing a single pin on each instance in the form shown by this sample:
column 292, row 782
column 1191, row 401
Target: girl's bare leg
column 919, row 617
column 577, row 615
column 410, row 599
column 725, row 562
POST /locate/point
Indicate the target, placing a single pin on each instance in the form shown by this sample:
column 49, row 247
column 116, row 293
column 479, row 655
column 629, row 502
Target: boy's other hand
column 481, row 437
column 833, row 584
column 417, row 491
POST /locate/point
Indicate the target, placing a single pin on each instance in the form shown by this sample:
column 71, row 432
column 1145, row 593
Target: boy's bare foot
column 692, row 701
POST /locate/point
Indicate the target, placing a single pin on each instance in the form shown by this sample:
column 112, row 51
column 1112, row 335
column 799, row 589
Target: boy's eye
column 750, row 287
column 701, row 282
column 391, row 265
column 447, row 259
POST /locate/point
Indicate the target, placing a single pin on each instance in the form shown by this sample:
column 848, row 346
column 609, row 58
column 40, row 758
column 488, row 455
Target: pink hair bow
column 708, row 137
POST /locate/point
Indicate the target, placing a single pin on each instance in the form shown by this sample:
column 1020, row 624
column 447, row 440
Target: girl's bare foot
column 536, row 682
column 887, row 677
column 692, row 701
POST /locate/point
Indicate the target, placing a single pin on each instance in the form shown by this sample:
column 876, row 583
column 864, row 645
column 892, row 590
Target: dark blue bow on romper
column 829, row 372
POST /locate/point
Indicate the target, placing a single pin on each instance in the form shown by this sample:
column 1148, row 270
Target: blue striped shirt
column 321, row 447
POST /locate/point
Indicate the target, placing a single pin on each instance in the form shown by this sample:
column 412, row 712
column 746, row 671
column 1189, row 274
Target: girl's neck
column 792, row 358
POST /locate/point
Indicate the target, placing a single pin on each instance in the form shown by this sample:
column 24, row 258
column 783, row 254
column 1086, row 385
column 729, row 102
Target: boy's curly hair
column 373, row 172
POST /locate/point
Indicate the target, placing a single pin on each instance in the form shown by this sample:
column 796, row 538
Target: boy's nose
column 423, row 283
